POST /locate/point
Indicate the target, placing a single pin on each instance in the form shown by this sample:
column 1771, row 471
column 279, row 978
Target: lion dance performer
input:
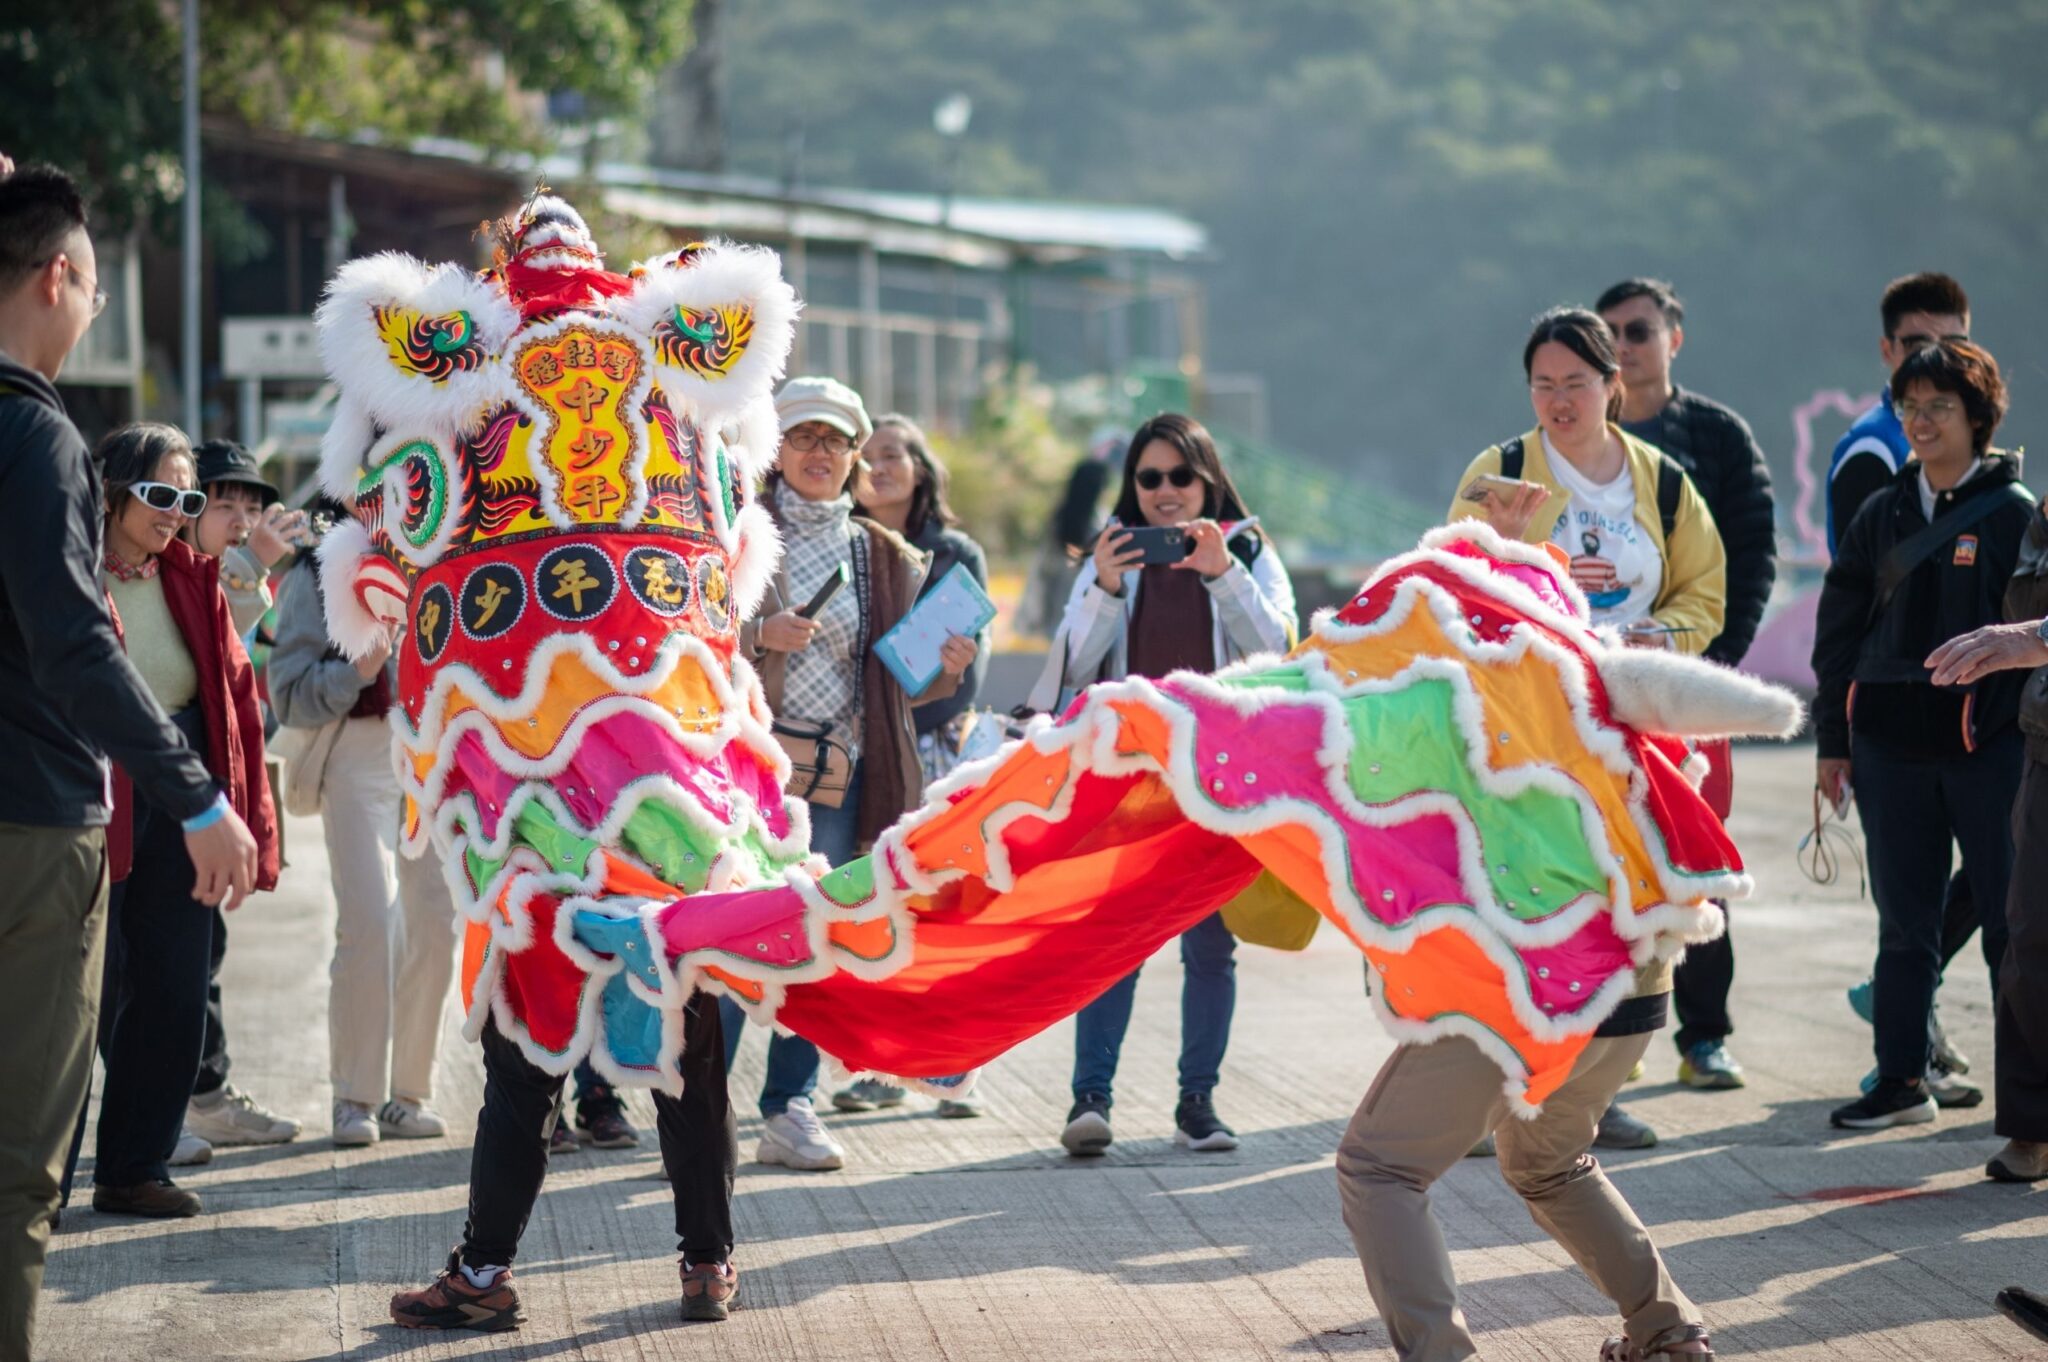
column 551, row 465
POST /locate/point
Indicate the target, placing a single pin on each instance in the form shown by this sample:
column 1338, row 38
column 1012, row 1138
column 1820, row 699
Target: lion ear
column 1684, row 697
column 416, row 346
column 719, row 319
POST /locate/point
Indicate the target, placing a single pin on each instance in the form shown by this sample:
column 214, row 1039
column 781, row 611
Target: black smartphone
column 825, row 593
column 1158, row 543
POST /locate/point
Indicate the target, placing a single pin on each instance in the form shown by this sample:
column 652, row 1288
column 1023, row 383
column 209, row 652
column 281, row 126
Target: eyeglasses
column 93, row 290
column 1638, row 332
column 832, row 441
column 1938, row 410
column 161, row 496
column 1573, row 388
column 1916, row 340
column 1150, row 478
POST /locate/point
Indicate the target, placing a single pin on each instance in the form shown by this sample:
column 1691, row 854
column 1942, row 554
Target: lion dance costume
column 551, row 466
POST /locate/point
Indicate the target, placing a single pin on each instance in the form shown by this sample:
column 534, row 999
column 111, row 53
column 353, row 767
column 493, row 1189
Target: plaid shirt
column 823, row 679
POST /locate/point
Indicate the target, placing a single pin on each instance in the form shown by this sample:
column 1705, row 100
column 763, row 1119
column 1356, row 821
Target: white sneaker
column 354, row 1126
column 796, row 1138
column 410, row 1120
column 191, row 1149
column 231, row 1116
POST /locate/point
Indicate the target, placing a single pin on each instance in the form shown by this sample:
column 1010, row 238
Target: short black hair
column 1965, row 370
column 1929, row 292
column 129, row 454
column 39, row 207
column 1658, row 291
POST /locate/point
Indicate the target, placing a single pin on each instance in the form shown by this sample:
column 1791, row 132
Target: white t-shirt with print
column 1614, row 559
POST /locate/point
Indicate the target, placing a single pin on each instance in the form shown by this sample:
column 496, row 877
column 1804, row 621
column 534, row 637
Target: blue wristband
column 214, row 812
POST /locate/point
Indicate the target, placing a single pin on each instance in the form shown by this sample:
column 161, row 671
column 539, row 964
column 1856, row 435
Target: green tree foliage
column 1396, row 186
column 96, row 86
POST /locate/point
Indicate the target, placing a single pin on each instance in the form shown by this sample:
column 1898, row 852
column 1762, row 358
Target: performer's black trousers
column 2022, row 1067
column 699, row 1144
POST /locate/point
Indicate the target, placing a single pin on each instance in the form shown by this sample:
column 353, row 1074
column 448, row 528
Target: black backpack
column 1670, row 481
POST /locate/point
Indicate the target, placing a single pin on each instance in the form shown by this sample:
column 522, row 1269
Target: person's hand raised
column 1114, row 556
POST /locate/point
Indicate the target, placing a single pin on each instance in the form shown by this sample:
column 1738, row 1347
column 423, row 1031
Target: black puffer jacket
column 1957, row 588
column 1717, row 449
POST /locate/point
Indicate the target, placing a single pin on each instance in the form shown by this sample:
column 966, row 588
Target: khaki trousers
column 53, row 936
column 394, row 931
column 1424, row 1112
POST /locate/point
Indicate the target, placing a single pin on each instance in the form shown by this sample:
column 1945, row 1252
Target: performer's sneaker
column 1707, row 1064
column 451, row 1302
column 1944, row 1054
column 1619, row 1130
column 1685, row 1343
column 563, row 1140
column 959, row 1108
column 708, row 1289
column 2019, row 1161
column 1863, row 1000
column 1197, row 1126
column 230, row 1116
column 1890, row 1102
column 1087, row 1133
column 601, row 1119
column 796, row 1138
column 1950, row 1089
column 869, row 1094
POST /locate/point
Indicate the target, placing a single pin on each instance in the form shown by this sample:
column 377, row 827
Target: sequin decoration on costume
column 433, row 347
column 704, row 343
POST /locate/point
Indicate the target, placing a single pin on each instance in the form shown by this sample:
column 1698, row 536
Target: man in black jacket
column 69, row 700
column 1722, row 457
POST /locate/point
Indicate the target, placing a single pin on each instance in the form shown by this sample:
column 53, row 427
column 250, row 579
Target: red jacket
column 227, row 700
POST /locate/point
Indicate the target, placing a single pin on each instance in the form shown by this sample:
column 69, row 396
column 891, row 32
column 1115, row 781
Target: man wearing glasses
column 69, row 701
column 1721, row 455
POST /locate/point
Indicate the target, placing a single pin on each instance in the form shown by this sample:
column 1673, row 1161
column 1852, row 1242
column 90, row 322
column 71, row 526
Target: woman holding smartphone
column 1227, row 598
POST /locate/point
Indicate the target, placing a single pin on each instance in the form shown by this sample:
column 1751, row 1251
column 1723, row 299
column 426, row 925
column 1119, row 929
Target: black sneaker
column 601, row 1119
column 1197, row 1126
column 562, row 1140
column 1087, row 1132
column 1891, row 1102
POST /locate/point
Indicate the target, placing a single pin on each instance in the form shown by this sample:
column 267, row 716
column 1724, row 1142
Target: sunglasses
column 161, row 496
column 1638, row 332
column 1914, row 340
column 1150, row 478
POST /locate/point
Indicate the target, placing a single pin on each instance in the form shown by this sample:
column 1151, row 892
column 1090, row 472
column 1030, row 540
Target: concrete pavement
column 979, row 1239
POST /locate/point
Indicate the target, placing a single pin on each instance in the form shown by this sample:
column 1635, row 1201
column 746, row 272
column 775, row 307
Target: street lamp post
column 191, row 319
column 950, row 117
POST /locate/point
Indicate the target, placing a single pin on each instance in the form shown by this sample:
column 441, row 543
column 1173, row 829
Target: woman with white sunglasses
column 175, row 624
column 1227, row 598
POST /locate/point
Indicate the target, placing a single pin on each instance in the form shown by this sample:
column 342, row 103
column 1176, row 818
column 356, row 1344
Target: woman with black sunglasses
column 174, row 622
column 1227, row 599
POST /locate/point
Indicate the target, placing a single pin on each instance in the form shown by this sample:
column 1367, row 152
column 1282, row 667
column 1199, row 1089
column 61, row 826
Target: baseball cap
column 227, row 461
column 816, row 398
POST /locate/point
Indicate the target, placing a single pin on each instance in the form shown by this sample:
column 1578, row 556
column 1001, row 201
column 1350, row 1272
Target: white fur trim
column 758, row 554
column 360, row 361
column 343, row 553
column 1653, row 691
column 721, row 274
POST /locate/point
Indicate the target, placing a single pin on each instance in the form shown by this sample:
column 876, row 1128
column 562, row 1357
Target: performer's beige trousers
column 1424, row 1112
column 394, row 931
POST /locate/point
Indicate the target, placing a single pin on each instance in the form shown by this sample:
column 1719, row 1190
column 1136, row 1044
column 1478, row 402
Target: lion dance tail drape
column 552, row 465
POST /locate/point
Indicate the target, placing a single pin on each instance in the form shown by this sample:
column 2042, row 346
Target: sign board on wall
column 270, row 347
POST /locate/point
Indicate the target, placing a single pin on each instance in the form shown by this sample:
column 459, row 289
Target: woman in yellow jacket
column 1602, row 495
column 1580, row 482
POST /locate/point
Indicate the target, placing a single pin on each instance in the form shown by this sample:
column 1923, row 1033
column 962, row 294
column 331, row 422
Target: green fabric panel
column 852, row 883
column 1538, row 836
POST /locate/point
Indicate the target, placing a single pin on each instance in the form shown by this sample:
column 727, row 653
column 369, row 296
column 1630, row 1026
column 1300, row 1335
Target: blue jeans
column 792, row 1061
column 1208, row 998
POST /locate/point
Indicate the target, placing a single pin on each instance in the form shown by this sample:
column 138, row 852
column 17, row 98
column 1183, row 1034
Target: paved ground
column 977, row 1239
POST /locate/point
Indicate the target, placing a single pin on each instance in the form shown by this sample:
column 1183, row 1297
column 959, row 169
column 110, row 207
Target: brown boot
column 157, row 1200
column 2019, row 1161
column 708, row 1289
